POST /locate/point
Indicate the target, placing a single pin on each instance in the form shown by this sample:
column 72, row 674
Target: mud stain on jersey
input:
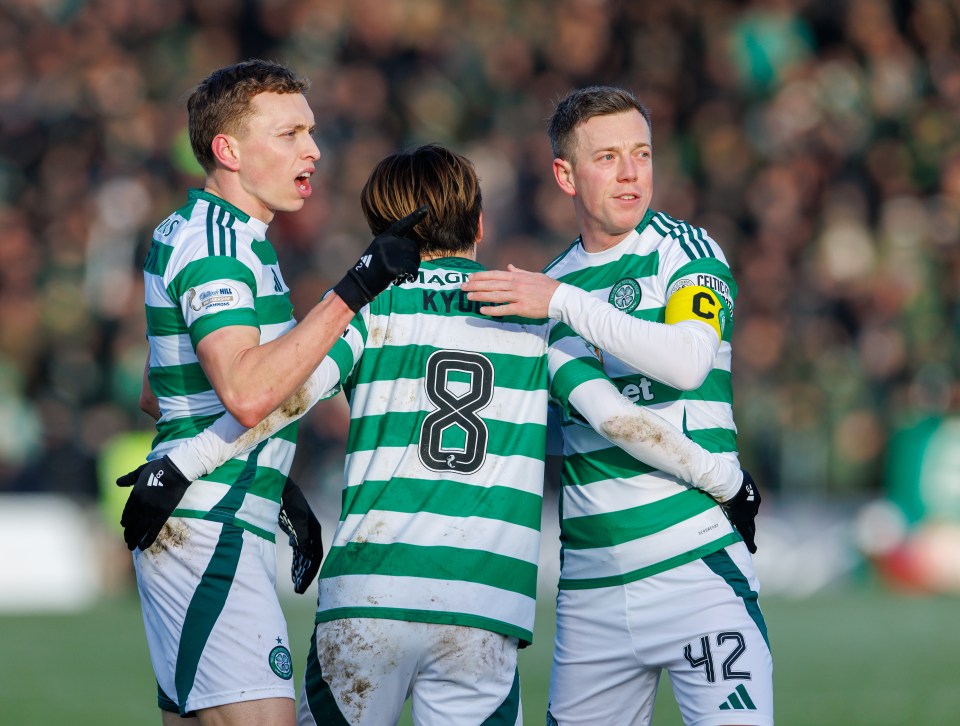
column 371, row 529
column 635, row 429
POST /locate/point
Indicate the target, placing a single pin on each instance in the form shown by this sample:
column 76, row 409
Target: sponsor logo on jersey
column 281, row 663
column 625, row 295
column 442, row 277
column 212, row 297
column 641, row 389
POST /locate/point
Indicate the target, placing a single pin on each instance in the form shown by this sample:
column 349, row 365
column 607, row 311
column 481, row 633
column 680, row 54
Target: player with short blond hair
column 223, row 337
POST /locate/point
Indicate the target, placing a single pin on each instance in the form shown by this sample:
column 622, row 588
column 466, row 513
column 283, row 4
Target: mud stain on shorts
column 172, row 534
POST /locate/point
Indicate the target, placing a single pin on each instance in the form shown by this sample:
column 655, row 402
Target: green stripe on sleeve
column 224, row 319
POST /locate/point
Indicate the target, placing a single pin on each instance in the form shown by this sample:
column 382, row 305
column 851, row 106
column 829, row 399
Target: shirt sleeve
column 215, row 292
column 649, row 438
column 680, row 354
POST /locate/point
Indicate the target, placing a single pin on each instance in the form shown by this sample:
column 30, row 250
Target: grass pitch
column 844, row 658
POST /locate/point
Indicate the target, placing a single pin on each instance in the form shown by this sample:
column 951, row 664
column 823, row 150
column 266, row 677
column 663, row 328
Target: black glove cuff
column 352, row 291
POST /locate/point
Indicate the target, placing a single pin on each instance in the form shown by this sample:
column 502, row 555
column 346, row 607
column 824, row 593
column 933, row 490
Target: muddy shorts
column 214, row 626
column 360, row 671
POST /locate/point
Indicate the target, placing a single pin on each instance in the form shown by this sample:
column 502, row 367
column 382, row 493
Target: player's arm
column 579, row 383
column 253, row 379
column 650, row 438
column 148, row 507
column 679, row 352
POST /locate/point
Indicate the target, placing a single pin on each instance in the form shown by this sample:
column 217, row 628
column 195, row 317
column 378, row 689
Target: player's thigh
column 359, row 672
column 466, row 676
column 596, row 677
column 169, row 718
column 273, row 711
column 712, row 638
column 215, row 628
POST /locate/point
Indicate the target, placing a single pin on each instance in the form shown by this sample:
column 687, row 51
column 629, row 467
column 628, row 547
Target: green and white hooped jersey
column 622, row 520
column 443, row 480
column 209, row 266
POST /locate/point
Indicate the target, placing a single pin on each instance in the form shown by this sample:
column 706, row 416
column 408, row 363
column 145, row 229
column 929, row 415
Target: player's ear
column 225, row 151
column 563, row 173
column 479, row 229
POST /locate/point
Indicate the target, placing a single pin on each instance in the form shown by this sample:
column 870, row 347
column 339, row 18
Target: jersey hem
column 654, row 569
column 428, row 616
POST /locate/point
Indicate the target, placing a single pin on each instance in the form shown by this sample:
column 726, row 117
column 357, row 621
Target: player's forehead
column 275, row 111
column 621, row 131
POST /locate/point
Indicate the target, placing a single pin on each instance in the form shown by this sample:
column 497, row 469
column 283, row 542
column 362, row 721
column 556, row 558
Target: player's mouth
column 303, row 183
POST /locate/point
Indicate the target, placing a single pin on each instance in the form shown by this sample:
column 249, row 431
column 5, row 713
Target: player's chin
column 291, row 204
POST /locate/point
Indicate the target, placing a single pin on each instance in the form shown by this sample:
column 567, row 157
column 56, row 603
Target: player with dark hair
column 430, row 584
column 223, row 338
column 654, row 575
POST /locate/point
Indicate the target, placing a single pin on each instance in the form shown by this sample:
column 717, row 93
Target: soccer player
column 429, row 586
column 222, row 337
column 653, row 575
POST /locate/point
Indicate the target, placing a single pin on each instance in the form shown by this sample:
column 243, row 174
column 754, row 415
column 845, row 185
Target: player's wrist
column 186, row 461
column 722, row 479
column 352, row 291
column 557, row 307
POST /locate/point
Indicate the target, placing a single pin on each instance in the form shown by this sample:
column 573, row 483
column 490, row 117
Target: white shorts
column 700, row 622
column 214, row 626
column 360, row 671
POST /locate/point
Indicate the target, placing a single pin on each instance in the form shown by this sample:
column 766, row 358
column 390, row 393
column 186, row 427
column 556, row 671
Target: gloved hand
column 391, row 257
column 742, row 510
column 303, row 529
column 158, row 487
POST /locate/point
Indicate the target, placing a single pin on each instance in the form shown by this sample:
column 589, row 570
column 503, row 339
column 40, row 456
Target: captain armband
column 695, row 302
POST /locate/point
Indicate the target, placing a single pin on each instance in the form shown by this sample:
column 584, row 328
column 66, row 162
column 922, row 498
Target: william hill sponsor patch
column 212, row 296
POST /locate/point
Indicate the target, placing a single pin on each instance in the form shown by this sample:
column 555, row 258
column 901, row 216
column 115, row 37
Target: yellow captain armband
column 694, row 302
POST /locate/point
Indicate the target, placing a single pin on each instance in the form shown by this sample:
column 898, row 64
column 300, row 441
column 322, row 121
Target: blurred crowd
column 817, row 141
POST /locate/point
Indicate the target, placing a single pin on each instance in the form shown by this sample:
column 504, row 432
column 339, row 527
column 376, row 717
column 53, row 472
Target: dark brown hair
column 433, row 175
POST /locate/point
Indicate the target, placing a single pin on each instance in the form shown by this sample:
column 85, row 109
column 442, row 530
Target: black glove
column 303, row 529
column 158, row 487
column 391, row 257
column 742, row 510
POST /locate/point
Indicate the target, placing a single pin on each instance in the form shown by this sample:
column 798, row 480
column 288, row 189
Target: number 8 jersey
column 443, row 480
